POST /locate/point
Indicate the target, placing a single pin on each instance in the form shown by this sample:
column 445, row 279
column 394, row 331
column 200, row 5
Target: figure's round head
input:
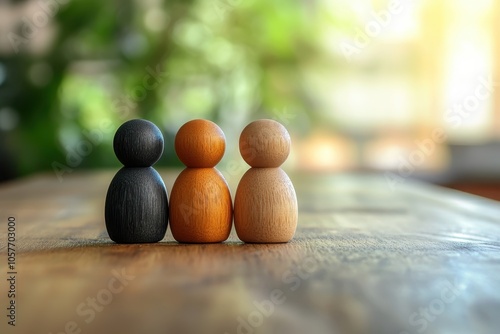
column 138, row 143
column 200, row 144
column 265, row 144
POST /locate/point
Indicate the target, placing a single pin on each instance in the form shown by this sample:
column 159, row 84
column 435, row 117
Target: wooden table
column 366, row 258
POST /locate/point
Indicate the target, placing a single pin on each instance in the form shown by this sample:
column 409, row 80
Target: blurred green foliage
column 224, row 60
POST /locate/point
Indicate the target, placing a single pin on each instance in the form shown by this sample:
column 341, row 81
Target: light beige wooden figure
column 265, row 206
column 201, row 209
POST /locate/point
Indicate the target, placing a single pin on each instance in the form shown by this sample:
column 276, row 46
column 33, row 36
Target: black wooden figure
column 136, row 209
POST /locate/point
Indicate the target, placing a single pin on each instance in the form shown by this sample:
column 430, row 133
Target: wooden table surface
column 366, row 258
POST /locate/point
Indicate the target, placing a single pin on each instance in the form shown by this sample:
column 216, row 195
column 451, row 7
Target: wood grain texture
column 265, row 143
column 201, row 208
column 200, row 143
column 265, row 206
column 365, row 259
column 136, row 208
column 138, row 143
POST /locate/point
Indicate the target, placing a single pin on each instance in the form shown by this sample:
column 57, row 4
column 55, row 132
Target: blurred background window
column 409, row 88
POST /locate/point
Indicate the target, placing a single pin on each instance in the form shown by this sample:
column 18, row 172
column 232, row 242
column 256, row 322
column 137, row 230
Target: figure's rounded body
column 201, row 209
column 136, row 209
column 265, row 207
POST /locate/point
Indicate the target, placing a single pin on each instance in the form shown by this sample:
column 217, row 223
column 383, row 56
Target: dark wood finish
column 366, row 258
column 138, row 143
column 136, row 208
column 489, row 190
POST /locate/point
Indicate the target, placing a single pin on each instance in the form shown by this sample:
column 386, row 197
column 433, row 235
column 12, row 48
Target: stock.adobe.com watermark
column 292, row 280
column 420, row 320
column 455, row 117
column 31, row 24
column 123, row 107
column 89, row 308
column 380, row 20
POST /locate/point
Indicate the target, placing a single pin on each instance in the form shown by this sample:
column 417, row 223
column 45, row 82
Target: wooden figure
column 265, row 205
column 201, row 209
column 136, row 209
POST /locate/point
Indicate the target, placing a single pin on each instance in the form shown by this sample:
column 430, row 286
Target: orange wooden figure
column 201, row 209
column 265, row 206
